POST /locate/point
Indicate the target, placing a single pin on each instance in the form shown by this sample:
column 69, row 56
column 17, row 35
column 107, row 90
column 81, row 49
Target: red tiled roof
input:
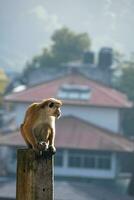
column 101, row 95
column 73, row 133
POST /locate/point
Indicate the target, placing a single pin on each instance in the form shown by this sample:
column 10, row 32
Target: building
column 100, row 69
column 89, row 137
column 3, row 84
column 3, row 81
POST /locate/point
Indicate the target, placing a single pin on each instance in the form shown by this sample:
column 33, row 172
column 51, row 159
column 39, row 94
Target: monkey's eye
column 51, row 105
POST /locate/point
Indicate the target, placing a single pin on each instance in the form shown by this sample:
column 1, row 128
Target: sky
column 26, row 26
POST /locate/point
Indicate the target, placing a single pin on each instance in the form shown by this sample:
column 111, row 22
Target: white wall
column 104, row 117
column 87, row 173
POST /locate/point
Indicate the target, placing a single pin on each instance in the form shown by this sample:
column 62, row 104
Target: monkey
column 38, row 127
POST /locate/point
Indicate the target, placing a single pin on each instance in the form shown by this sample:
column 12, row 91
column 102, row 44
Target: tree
column 126, row 85
column 126, row 82
column 66, row 46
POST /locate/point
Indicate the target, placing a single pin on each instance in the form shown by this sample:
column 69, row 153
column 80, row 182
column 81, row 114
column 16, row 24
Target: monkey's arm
column 51, row 140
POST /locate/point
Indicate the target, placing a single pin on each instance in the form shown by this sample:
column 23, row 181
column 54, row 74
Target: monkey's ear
column 43, row 104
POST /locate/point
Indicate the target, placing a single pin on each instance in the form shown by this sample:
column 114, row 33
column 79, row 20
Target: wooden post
column 34, row 176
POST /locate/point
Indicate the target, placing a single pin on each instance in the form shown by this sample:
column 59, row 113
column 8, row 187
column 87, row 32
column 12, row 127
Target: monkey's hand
column 52, row 149
column 42, row 146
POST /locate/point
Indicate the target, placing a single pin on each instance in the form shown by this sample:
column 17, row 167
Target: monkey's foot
column 52, row 150
column 44, row 152
column 42, row 149
column 42, row 146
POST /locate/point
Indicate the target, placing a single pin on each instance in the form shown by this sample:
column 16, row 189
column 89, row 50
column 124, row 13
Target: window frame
column 96, row 163
column 76, row 92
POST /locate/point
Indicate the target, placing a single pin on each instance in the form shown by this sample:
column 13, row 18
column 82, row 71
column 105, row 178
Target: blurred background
column 81, row 52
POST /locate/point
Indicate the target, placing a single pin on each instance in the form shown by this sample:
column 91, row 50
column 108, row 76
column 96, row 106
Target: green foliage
column 126, row 82
column 126, row 85
column 128, row 122
column 66, row 46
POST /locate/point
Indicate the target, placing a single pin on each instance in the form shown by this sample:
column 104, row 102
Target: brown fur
column 38, row 128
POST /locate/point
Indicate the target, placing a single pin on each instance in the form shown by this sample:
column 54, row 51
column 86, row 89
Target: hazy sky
column 27, row 25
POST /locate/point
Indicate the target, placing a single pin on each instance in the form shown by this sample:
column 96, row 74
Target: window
column 67, row 91
column 75, row 161
column 89, row 160
column 59, row 158
column 104, row 163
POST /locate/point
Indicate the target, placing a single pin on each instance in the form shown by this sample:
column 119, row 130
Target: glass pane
column 89, row 162
column 104, row 163
column 74, row 161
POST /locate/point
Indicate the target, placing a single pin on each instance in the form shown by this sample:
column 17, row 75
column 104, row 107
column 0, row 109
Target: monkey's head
column 52, row 107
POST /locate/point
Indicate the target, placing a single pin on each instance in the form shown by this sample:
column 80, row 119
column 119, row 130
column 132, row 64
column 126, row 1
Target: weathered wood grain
column 34, row 176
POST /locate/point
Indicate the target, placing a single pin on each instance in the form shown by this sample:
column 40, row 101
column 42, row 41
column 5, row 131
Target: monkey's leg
column 23, row 135
column 40, row 133
column 51, row 141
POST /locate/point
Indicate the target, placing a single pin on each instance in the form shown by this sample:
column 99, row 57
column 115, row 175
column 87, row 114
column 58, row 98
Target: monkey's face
column 54, row 109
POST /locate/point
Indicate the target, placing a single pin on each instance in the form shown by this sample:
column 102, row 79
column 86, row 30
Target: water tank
column 88, row 57
column 105, row 58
